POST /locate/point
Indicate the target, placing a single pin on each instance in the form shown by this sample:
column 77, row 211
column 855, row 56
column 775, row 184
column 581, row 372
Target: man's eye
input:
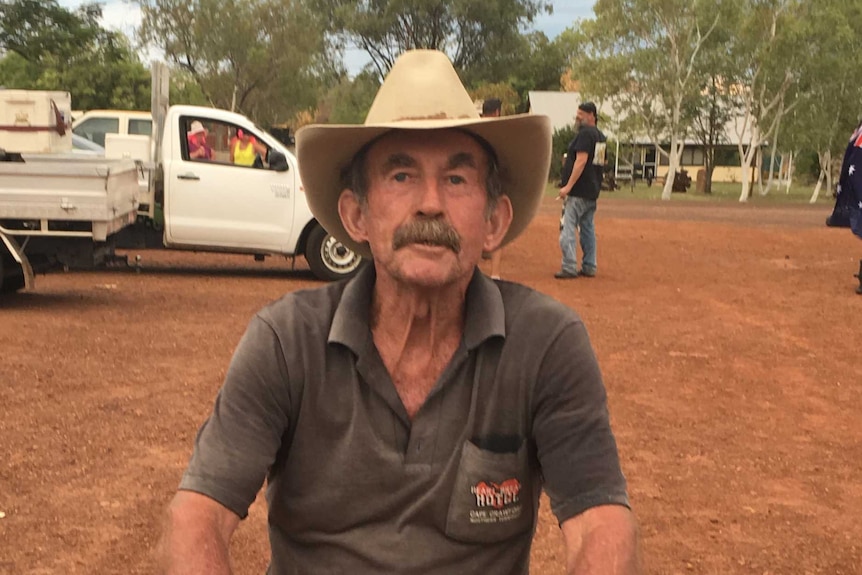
column 401, row 177
column 454, row 179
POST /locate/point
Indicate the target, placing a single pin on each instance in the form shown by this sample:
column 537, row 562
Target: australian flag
column 848, row 202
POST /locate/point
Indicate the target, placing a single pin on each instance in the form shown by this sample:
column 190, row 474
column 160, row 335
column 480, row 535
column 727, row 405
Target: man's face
column 581, row 118
column 425, row 217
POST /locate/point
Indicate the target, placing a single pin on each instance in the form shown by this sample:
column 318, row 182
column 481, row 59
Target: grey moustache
column 425, row 231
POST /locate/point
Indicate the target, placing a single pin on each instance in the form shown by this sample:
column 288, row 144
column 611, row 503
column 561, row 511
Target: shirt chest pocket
column 491, row 499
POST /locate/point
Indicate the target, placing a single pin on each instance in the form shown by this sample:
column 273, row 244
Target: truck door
column 211, row 200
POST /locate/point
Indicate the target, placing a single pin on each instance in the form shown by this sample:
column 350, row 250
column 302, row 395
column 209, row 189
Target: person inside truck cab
column 245, row 150
column 198, row 147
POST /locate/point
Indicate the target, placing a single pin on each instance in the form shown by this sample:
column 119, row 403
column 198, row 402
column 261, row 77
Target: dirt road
column 729, row 337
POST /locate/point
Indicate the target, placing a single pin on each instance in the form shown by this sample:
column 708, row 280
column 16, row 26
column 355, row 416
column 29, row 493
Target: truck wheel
column 328, row 258
column 11, row 274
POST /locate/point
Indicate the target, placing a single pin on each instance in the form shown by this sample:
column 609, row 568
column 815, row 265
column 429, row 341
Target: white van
column 93, row 125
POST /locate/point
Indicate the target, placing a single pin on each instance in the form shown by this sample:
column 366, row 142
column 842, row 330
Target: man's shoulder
column 303, row 308
column 586, row 137
column 526, row 307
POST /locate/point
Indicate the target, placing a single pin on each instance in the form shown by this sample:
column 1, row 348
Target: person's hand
column 564, row 191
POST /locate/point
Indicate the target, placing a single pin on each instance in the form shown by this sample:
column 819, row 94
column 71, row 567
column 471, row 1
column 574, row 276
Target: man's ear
column 498, row 224
column 352, row 216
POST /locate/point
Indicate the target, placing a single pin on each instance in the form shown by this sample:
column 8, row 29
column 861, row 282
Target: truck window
column 140, row 127
column 95, row 129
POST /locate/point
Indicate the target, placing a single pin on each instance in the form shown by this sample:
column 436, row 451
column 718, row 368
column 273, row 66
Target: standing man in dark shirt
column 579, row 188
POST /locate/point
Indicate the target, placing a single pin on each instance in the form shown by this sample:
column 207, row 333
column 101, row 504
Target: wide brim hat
column 196, row 128
column 423, row 92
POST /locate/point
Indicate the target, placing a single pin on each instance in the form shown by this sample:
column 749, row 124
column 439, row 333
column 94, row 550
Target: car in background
column 84, row 147
column 94, row 124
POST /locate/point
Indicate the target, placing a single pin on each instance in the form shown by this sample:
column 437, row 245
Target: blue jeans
column 578, row 214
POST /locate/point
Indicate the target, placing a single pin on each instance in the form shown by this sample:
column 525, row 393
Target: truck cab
column 207, row 199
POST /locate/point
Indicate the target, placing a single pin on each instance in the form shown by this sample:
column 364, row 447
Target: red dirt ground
column 729, row 337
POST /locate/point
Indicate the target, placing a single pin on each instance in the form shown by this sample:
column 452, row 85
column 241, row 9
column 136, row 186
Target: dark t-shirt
column 591, row 140
column 355, row 486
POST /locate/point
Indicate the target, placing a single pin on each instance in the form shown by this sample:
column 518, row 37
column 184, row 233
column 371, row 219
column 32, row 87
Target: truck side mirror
column 277, row 161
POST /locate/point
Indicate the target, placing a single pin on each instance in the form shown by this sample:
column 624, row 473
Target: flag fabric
column 848, row 202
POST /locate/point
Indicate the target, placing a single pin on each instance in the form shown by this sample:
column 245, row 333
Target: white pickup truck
column 73, row 212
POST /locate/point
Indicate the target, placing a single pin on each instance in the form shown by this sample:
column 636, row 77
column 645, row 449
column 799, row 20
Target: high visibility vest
column 243, row 156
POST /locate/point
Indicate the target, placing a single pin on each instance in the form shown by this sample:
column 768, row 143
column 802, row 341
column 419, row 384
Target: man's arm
column 577, row 170
column 602, row 540
column 196, row 536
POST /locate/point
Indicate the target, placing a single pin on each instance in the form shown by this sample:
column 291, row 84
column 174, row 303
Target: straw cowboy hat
column 423, row 92
column 196, row 128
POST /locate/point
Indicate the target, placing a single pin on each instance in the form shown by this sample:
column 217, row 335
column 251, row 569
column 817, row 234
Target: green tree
column 46, row 47
column 539, row 66
column 474, row 33
column 768, row 52
column 350, row 100
column 645, row 53
column 831, row 91
column 714, row 106
column 265, row 58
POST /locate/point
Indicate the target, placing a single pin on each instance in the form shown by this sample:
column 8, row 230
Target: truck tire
column 328, row 258
column 11, row 274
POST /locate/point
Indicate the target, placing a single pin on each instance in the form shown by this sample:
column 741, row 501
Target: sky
column 125, row 16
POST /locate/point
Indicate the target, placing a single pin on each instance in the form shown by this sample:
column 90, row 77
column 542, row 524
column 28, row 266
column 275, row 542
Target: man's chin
column 430, row 272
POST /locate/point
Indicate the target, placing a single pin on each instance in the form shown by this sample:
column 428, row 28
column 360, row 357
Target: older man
column 406, row 421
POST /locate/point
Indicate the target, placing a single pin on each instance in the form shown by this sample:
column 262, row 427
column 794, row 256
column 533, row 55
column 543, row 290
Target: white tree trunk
column 817, row 188
column 667, row 191
column 790, row 169
column 745, row 165
column 825, row 161
column 746, row 157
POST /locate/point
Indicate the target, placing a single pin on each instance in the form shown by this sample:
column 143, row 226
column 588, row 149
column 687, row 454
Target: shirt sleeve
column 584, row 141
column 240, row 440
column 571, row 427
column 569, row 163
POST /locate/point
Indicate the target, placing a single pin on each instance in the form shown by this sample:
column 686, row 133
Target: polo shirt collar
column 351, row 326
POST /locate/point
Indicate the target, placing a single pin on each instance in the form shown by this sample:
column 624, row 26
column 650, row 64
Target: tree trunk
column 745, row 159
column 707, row 184
column 825, row 161
column 773, row 153
column 789, row 174
column 673, row 165
column 745, row 166
column 817, row 188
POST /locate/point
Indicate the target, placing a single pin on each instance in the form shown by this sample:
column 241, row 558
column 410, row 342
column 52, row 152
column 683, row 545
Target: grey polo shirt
column 355, row 487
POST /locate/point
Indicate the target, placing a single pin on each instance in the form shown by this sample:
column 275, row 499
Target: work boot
column 859, row 275
column 564, row 275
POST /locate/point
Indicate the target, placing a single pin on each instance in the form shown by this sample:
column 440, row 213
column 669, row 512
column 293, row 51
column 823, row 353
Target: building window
column 726, row 156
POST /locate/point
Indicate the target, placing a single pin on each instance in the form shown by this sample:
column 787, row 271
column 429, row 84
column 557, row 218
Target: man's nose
column 431, row 198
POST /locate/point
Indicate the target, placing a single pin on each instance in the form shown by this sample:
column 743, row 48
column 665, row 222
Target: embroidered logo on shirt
column 496, row 502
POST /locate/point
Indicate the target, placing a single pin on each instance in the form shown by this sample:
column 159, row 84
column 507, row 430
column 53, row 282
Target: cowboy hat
column 423, row 92
column 196, row 128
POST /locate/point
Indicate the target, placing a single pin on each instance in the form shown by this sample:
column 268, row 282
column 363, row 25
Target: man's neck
column 417, row 317
column 416, row 332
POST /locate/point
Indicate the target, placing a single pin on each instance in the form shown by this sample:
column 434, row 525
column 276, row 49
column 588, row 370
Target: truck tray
column 102, row 192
